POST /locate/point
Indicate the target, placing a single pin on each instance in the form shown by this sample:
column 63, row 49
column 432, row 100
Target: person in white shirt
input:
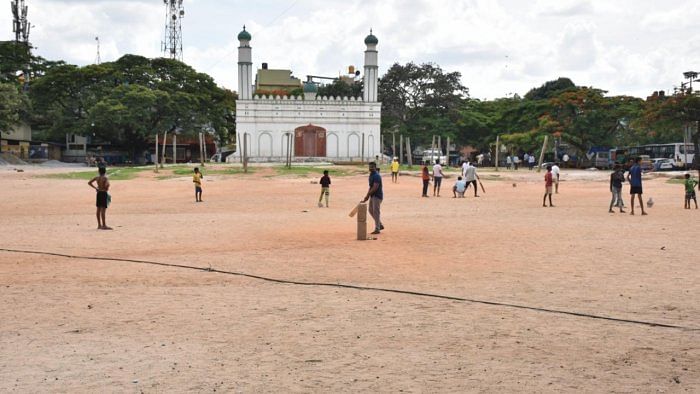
column 531, row 161
column 555, row 176
column 516, row 161
column 471, row 177
column 459, row 188
column 437, row 178
column 508, row 162
column 465, row 165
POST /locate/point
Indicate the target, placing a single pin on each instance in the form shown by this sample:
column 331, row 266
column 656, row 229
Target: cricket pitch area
column 559, row 299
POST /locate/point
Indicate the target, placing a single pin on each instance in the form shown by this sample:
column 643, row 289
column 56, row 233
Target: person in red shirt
column 547, row 187
column 426, row 180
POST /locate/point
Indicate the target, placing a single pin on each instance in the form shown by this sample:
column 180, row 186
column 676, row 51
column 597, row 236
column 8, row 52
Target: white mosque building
column 335, row 129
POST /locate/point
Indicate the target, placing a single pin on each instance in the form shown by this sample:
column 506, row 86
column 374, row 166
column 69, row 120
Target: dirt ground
column 80, row 325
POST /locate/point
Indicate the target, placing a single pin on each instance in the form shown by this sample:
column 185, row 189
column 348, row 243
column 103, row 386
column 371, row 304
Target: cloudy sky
column 501, row 47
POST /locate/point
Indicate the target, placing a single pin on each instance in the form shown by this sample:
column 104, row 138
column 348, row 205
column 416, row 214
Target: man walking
column 634, row 177
column 375, row 196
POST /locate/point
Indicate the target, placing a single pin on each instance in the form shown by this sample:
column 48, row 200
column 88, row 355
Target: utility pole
column 172, row 42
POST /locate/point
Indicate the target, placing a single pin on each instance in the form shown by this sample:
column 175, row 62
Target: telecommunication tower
column 21, row 27
column 98, row 58
column 172, row 44
column 20, row 24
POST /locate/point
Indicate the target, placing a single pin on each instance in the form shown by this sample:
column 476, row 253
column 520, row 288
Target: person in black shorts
column 102, row 198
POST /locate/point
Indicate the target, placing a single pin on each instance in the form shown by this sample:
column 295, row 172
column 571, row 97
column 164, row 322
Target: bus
column 681, row 154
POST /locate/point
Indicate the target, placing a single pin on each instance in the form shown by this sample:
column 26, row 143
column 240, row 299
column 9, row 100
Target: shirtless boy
column 102, row 197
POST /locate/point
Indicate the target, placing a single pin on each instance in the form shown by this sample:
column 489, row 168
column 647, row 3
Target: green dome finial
column 371, row 39
column 310, row 87
column 244, row 35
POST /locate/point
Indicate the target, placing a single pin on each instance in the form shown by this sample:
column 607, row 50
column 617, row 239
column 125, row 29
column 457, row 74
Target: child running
column 103, row 198
column 690, row 184
column 547, row 187
column 325, row 188
column 197, row 179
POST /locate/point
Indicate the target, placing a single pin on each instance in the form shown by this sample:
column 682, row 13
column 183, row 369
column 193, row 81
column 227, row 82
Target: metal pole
column 447, row 151
column 201, row 148
column 498, row 148
column 432, row 151
column 401, row 148
column 685, row 146
column 245, row 153
column 174, row 148
column 238, row 146
column 165, row 145
column 439, row 146
column 544, row 146
column 409, row 152
column 362, row 159
column 155, row 161
column 393, row 145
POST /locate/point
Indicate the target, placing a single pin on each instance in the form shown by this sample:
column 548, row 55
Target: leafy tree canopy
column 127, row 101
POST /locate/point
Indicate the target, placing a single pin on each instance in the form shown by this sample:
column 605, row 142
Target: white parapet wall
column 340, row 124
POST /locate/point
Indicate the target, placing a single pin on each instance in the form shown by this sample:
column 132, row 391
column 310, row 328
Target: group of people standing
column 513, row 161
column 468, row 178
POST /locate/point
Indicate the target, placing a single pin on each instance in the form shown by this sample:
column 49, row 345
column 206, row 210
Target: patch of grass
column 311, row 170
column 182, row 171
column 675, row 181
column 114, row 174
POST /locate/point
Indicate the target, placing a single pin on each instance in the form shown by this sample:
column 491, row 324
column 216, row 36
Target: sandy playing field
column 81, row 325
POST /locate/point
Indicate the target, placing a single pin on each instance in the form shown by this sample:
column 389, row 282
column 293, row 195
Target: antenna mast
column 21, row 28
column 172, row 44
column 20, row 24
column 98, row 59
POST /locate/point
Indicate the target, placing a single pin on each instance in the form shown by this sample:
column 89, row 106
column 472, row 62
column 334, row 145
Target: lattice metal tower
column 20, row 24
column 172, row 44
column 98, row 58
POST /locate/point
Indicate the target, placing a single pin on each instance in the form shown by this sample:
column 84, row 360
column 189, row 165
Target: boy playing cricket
column 325, row 188
column 690, row 184
column 197, row 180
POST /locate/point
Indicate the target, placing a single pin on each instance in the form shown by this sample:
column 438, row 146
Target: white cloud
column 506, row 46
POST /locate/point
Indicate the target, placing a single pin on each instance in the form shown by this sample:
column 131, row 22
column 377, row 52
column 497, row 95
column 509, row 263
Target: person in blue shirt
column 375, row 195
column 634, row 177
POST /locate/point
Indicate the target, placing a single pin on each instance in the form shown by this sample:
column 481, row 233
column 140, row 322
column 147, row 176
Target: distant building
column 16, row 141
column 273, row 81
column 320, row 128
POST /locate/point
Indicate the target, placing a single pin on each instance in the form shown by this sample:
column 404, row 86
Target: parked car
column 221, row 156
column 646, row 163
column 429, row 156
column 663, row 164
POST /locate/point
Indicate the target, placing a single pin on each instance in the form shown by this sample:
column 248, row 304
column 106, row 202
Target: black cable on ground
column 355, row 287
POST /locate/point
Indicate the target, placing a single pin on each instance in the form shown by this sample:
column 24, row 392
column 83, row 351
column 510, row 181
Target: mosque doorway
column 310, row 141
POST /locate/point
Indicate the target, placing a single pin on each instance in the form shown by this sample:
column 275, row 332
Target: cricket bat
column 482, row 186
column 354, row 210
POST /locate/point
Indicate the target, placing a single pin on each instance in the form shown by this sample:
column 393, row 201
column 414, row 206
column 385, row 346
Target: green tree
column 126, row 101
column 340, row 88
column 13, row 106
column 421, row 100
